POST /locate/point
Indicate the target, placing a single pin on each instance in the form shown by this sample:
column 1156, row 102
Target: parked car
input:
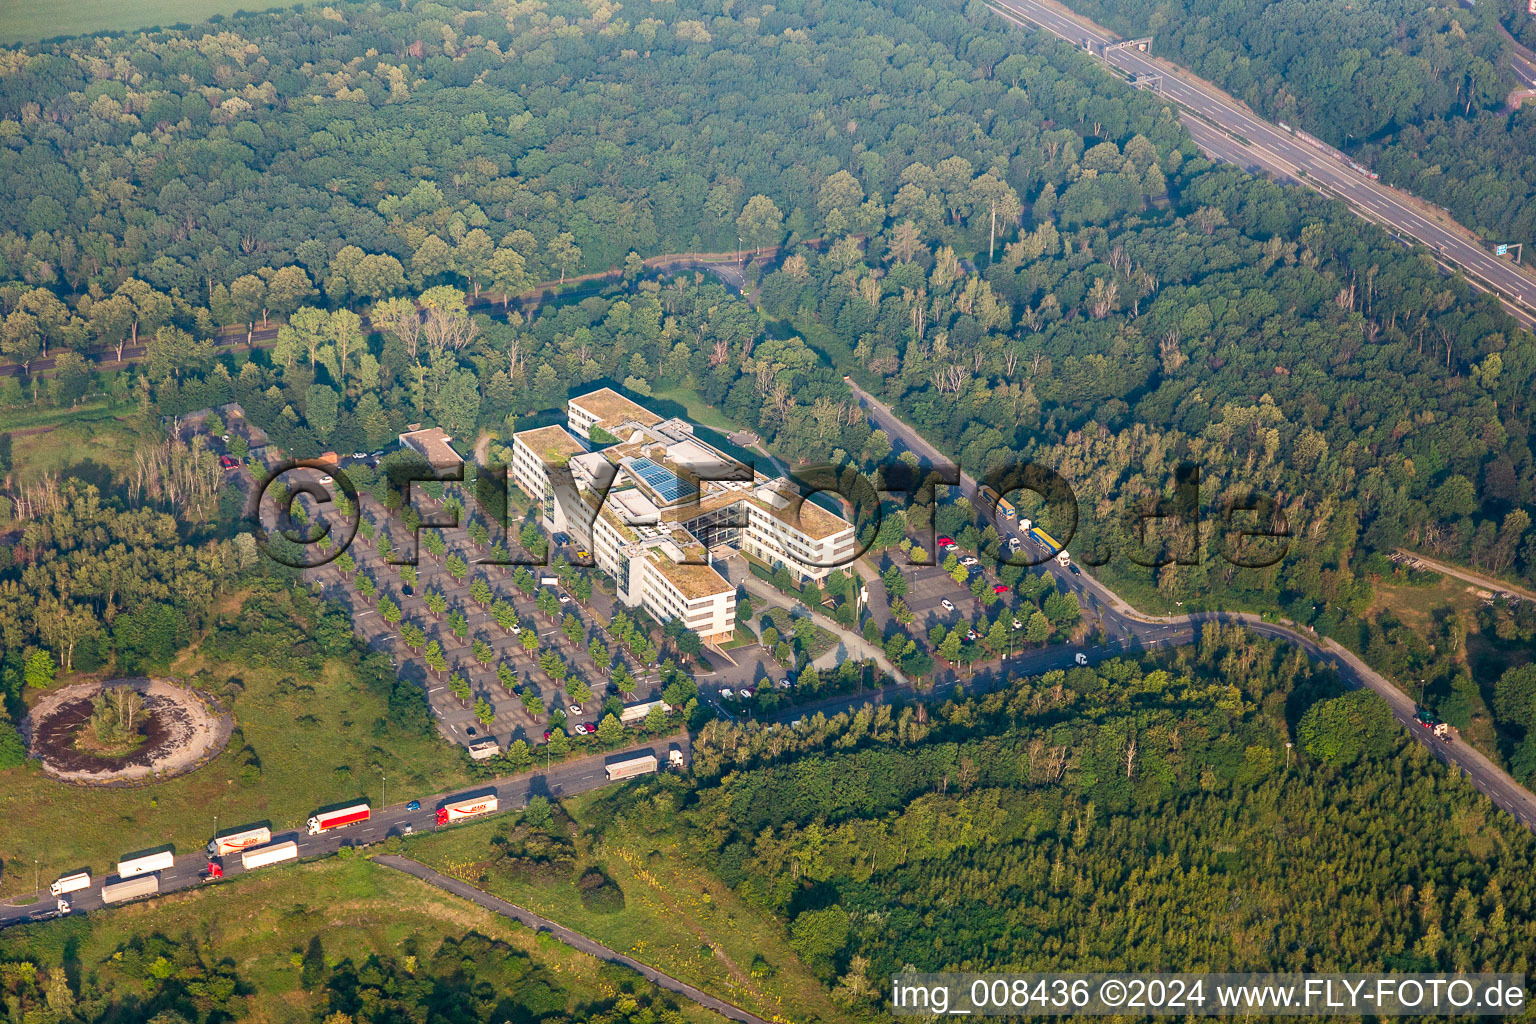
column 546, row 735
column 407, row 589
column 227, row 462
column 565, row 598
column 971, row 634
column 946, row 542
column 746, row 693
column 1000, row 588
column 727, row 693
column 947, row 605
column 1017, row 624
column 583, row 555
column 414, row 805
column 574, row 709
column 1074, row 570
column 969, row 561
column 326, row 479
column 588, row 728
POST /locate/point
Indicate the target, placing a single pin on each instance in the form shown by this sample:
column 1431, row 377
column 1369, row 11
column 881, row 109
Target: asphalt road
column 1130, row 632
column 512, row 794
column 1285, row 154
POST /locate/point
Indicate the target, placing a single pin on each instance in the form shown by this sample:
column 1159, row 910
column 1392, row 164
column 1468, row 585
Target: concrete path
column 574, row 939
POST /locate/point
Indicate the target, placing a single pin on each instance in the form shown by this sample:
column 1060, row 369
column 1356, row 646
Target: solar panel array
column 661, row 480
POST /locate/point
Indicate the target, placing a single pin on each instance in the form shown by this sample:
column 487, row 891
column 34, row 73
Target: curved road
column 1131, row 631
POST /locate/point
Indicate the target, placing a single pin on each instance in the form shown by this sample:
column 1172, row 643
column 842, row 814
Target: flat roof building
column 432, row 444
column 651, row 505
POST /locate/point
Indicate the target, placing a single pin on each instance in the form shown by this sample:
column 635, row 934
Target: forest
column 1026, row 258
column 160, row 979
column 1126, row 816
column 1417, row 92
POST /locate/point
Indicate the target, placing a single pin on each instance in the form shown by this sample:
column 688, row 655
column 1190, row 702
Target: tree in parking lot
column 949, row 650
column 457, row 568
column 458, row 624
column 598, row 652
column 484, row 654
column 578, row 690
column 574, row 631
column 413, row 635
column 528, row 640
column 485, row 712
column 533, row 704
column 895, row 581
column 366, row 586
column 436, row 603
column 559, row 743
column 624, row 681
column 480, row 592
column 519, row 755
column 548, row 604
column 432, row 540
column 460, row 687
column 389, row 611
column 610, row 731
column 346, row 564
column 1038, row 629
column 507, row 676
column 433, row 656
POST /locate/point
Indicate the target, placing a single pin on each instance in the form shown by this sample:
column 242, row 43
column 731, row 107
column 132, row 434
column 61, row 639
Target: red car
column 1001, row 588
column 227, row 462
column 546, row 735
column 946, row 542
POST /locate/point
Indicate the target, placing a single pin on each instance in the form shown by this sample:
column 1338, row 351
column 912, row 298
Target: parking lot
column 456, row 718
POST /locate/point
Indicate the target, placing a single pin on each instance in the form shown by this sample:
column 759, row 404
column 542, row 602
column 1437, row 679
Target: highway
column 1130, row 632
column 512, row 794
column 1285, row 154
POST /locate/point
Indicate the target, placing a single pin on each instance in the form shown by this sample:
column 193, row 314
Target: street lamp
column 382, row 780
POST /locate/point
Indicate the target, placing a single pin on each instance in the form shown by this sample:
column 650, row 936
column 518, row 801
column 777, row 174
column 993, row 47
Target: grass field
column 258, row 921
column 316, row 742
column 30, row 20
column 674, row 913
column 94, row 443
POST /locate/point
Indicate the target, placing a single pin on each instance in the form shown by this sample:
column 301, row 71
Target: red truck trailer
column 327, row 820
column 466, row 807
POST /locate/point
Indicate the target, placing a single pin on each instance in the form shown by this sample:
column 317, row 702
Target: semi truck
column 675, row 758
column 264, row 855
column 130, row 889
column 145, row 863
column 466, row 807
column 339, row 818
column 71, row 883
column 628, row 769
column 991, row 497
column 234, row 842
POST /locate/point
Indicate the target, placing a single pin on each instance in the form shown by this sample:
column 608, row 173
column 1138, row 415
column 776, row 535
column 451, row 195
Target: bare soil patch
column 181, row 730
